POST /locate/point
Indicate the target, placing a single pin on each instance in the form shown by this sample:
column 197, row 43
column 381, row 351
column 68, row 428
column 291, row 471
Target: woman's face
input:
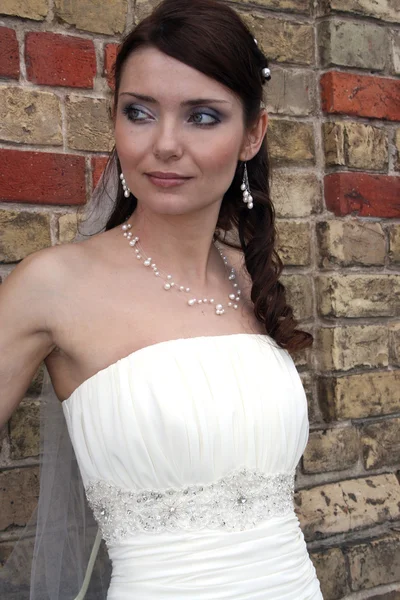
column 170, row 118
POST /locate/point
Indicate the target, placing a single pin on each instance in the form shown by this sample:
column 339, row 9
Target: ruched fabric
column 185, row 412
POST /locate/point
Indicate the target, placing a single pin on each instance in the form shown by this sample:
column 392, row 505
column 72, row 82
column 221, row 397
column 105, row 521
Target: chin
column 168, row 204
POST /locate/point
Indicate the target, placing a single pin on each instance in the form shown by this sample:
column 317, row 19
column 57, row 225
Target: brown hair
column 210, row 37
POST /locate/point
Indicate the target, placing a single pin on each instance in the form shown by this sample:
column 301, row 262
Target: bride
column 167, row 343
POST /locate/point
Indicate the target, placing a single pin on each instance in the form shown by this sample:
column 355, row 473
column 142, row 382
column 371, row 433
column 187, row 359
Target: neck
column 186, row 251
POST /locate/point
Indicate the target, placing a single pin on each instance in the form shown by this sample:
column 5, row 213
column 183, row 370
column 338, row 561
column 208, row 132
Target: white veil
column 61, row 545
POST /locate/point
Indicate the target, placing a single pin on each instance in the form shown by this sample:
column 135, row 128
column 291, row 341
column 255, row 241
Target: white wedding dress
column 187, row 450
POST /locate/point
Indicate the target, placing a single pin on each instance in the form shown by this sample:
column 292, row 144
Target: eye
column 132, row 111
column 197, row 118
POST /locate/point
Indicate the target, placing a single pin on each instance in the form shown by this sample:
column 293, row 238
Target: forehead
column 150, row 72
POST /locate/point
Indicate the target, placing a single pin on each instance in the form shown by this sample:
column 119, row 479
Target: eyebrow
column 192, row 102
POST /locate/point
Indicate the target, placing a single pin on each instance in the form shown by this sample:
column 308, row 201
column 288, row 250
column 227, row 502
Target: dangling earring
column 247, row 197
column 127, row 191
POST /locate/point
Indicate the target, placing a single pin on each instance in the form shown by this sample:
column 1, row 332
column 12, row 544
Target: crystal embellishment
column 238, row 501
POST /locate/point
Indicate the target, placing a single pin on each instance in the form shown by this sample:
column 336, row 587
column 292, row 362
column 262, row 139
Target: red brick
column 360, row 95
column 362, row 193
column 53, row 59
column 42, row 177
column 9, row 54
column 110, row 54
column 98, row 166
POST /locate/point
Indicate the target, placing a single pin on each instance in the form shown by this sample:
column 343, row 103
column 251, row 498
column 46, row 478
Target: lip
column 166, row 180
column 168, row 175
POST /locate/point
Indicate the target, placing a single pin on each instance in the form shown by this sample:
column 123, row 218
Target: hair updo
column 211, row 37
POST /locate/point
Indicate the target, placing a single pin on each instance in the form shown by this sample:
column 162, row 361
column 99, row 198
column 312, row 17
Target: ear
column 254, row 138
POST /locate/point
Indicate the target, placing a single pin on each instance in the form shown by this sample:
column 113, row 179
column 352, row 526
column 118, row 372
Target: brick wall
column 334, row 136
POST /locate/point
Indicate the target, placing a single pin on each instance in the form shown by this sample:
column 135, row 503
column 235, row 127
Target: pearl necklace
column 170, row 284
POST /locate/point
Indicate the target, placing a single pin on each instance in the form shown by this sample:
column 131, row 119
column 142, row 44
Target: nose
column 167, row 142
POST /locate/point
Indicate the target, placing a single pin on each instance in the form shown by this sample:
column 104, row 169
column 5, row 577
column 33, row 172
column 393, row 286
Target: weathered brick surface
column 30, row 117
column 307, row 382
column 397, row 145
column 25, row 431
column 394, row 244
column 9, row 53
column 298, row 296
column 291, row 142
column 19, row 490
column 22, row 233
column 295, row 194
column 348, row 505
column 344, row 348
column 393, row 595
column 360, row 95
column 348, row 243
column 394, row 344
column 353, row 44
column 385, row 10
column 297, row 6
column 144, row 8
column 358, row 396
column 290, row 92
column 381, row 443
column 331, row 572
column 93, row 15
column 281, row 40
column 355, row 145
column 42, row 177
column 98, row 165
column 294, row 242
column 110, row 54
column 358, row 295
column 396, row 51
column 28, row 9
column 375, row 563
column 89, row 124
column 331, row 450
column 53, row 59
column 362, row 194
column 67, row 228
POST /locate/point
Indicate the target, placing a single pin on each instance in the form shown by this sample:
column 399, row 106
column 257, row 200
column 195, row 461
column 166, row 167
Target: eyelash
column 127, row 110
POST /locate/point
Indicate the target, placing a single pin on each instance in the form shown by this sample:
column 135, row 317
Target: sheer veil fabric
column 50, row 558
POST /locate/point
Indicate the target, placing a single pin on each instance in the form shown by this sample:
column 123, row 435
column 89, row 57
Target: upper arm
column 26, row 308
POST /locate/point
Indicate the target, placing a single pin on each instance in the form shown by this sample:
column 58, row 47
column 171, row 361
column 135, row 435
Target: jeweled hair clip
column 266, row 72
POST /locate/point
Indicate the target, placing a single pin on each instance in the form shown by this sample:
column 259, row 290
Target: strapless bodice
column 187, row 450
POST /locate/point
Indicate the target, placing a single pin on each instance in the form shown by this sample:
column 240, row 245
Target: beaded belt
column 235, row 502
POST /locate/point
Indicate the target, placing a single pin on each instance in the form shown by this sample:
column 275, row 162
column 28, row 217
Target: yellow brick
column 348, row 505
column 30, row 117
column 27, row 9
column 347, row 243
column 22, row 233
column 358, row 295
column 281, row 40
column 331, row 450
column 293, row 244
column 361, row 395
column 344, row 348
column 298, row 295
column 291, row 142
column 93, row 15
column 295, row 194
column 88, row 124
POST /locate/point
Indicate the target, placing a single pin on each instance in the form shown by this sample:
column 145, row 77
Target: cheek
column 126, row 143
column 222, row 156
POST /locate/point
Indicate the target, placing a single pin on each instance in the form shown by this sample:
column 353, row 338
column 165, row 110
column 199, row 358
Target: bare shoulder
column 46, row 268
